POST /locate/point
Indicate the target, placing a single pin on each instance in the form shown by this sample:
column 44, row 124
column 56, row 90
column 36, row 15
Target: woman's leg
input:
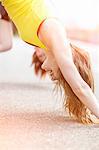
column 5, row 30
column 5, row 35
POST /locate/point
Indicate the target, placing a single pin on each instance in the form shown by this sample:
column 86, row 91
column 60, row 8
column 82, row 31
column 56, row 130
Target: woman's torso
column 27, row 16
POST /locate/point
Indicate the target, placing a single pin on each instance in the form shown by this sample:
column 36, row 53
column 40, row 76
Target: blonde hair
column 71, row 101
column 37, row 66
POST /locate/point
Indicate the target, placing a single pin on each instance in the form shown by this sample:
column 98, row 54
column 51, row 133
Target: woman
column 37, row 60
column 38, row 26
column 5, row 31
column 82, row 62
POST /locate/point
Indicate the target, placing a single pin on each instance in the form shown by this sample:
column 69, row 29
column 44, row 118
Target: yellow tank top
column 27, row 16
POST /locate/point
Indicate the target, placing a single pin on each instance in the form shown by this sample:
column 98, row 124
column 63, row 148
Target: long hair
column 76, row 108
column 74, row 105
column 37, row 66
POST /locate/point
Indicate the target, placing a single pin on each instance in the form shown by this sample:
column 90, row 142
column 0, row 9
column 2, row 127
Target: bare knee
column 5, row 46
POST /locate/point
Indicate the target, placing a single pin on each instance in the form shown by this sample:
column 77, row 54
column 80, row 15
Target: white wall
column 84, row 13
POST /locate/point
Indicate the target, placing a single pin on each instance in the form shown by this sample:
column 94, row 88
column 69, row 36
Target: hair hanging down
column 71, row 101
column 37, row 66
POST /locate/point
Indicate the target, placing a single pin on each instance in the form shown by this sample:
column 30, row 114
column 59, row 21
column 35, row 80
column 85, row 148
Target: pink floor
column 31, row 116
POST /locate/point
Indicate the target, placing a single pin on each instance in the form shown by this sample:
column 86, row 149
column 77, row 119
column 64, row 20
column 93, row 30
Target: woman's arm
column 52, row 34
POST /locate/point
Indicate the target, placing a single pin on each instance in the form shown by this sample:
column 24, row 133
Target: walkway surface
column 31, row 116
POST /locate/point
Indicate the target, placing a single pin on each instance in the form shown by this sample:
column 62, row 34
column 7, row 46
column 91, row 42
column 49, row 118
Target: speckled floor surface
column 31, row 116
